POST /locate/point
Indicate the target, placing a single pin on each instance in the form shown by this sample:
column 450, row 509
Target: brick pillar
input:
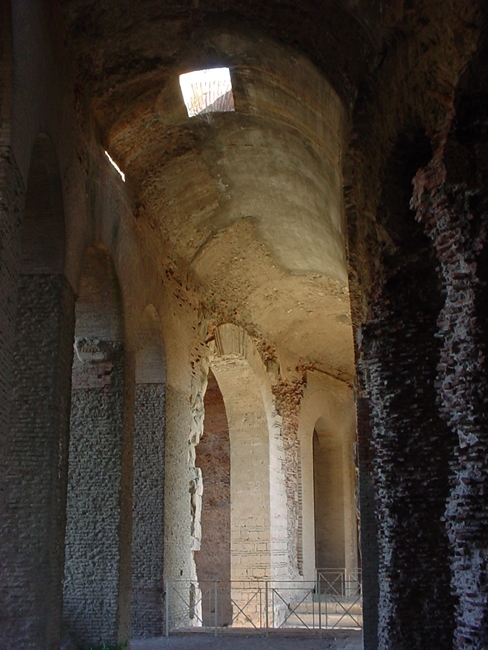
column 11, row 196
column 93, row 529
column 452, row 203
column 412, row 450
column 368, row 533
column 148, row 509
column 288, row 395
column 37, row 462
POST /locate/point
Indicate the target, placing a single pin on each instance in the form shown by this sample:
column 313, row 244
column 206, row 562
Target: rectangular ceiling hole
column 207, row 91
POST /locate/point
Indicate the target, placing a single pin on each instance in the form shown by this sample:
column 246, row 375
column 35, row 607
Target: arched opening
column 327, row 429
column 148, row 486
column 335, row 509
column 239, row 425
column 250, row 520
column 213, row 458
column 97, row 524
column 329, row 505
column 40, row 411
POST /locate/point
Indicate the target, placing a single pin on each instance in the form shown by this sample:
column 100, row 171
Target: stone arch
column 327, row 408
column 40, row 409
column 213, row 558
column 97, row 574
column 148, row 485
column 258, row 496
column 329, row 501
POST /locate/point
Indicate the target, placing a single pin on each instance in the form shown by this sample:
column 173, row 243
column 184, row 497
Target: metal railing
column 340, row 582
column 330, row 602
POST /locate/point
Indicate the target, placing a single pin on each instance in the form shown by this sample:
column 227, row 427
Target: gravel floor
column 338, row 641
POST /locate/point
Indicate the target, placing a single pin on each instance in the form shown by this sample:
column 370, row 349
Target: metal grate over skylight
column 207, row 91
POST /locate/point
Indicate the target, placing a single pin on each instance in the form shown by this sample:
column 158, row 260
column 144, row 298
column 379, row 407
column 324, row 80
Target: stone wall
column 258, row 496
column 329, row 508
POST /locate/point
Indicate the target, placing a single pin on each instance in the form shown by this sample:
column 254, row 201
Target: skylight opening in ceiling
column 207, row 91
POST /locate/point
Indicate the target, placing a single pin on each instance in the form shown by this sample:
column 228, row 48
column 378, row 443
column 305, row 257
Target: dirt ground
column 336, row 641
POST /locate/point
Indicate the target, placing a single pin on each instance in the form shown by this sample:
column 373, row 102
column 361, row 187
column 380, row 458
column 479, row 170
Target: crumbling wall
column 288, row 394
column 412, row 445
column 187, row 364
column 411, row 468
column 451, row 201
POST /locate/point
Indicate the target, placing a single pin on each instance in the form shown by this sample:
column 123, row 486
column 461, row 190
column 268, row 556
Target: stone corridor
column 243, row 323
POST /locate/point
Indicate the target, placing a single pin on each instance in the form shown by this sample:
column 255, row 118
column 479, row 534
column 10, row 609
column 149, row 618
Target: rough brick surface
column 92, row 569
column 452, row 203
column 37, row 457
column 412, row 445
column 368, row 529
column 148, row 510
column 288, row 395
column 411, row 466
column 11, row 200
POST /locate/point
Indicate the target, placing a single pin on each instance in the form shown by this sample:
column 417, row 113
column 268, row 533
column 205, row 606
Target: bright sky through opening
column 207, row 91
column 114, row 164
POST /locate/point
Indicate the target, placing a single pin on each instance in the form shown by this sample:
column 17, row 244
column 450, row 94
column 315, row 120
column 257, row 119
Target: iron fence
column 327, row 603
